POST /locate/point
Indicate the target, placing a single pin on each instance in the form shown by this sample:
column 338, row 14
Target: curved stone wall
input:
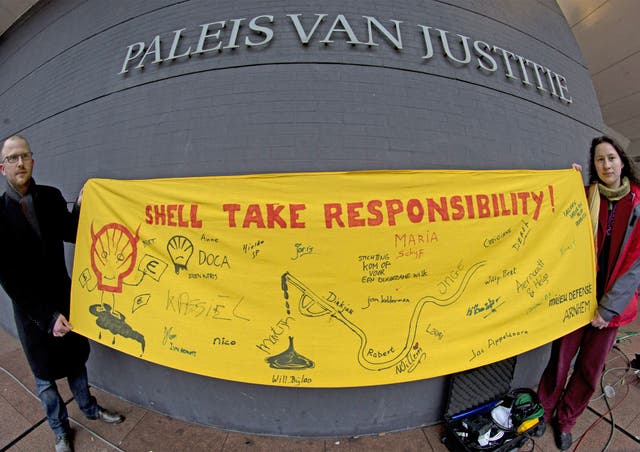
column 159, row 88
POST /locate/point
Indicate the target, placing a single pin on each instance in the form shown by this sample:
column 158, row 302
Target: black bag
column 484, row 414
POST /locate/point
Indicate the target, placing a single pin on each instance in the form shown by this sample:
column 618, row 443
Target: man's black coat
column 34, row 275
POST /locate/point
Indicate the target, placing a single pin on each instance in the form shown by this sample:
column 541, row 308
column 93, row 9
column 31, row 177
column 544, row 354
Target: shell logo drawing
column 180, row 250
column 113, row 255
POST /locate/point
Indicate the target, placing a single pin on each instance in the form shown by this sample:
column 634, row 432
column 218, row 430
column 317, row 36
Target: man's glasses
column 12, row 159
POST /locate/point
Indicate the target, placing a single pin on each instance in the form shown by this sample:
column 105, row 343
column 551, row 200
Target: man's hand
column 79, row 200
column 61, row 327
column 599, row 322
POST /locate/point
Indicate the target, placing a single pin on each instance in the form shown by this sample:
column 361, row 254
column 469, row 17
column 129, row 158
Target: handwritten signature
column 302, row 250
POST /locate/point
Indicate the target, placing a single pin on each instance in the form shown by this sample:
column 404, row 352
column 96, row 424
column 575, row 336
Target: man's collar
column 13, row 193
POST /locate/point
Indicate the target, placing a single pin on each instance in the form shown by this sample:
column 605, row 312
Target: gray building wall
column 284, row 107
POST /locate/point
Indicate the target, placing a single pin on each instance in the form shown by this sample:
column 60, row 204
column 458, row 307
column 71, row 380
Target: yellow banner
column 333, row 279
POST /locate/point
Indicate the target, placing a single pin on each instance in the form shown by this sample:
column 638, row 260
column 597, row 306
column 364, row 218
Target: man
column 34, row 223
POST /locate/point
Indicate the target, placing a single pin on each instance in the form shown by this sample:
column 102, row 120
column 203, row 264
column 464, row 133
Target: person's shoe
column 63, row 443
column 109, row 417
column 540, row 429
column 563, row 440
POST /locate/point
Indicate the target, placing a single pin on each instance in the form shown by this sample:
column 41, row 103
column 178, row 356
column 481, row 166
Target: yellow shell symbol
column 180, row 250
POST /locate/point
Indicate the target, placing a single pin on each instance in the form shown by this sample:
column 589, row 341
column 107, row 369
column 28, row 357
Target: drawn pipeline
column 116, row 325
column 312, row 305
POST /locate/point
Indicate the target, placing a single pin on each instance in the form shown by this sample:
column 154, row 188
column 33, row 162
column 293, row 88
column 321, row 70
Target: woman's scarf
column 612, row 194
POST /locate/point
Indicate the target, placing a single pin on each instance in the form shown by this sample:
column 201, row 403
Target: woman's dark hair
column 628, row 169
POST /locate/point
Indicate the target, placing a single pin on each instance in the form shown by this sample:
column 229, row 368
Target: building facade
column 165, row 88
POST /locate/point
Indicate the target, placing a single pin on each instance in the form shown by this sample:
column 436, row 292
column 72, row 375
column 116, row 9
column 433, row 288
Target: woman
column 614, row 205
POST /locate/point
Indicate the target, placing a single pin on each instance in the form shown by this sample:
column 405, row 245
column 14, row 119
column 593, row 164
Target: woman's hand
column 576, row 166
column 599, row 322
